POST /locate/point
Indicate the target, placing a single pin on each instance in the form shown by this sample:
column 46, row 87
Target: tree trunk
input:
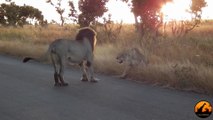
column 137, row 25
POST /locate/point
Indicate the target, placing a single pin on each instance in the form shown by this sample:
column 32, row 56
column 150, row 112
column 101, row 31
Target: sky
column 177, row 10
column 119, row 10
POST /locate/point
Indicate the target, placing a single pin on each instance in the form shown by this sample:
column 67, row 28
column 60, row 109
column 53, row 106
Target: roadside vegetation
column 180, row 52
column 180, row 62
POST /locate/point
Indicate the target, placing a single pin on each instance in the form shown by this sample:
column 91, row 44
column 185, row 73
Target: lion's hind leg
column 58, row 70
column 55, row 62
column 61, row 71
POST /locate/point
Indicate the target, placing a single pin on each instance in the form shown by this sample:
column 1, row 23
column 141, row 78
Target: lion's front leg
column 123, row 75
column 84, row 77
column 125, row 72
column 91, row 71
column 92, row 78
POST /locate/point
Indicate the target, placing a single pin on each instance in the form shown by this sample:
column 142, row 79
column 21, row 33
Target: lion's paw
column 94, row 80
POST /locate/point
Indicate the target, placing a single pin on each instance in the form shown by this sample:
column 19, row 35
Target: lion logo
column 203, row 109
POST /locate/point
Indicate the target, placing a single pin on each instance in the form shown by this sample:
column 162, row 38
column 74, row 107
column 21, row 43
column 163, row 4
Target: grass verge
column 184, row 63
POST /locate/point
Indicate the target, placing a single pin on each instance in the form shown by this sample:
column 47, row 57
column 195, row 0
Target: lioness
column 131, row 59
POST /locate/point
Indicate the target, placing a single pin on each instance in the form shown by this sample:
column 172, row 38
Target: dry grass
column 184, row 63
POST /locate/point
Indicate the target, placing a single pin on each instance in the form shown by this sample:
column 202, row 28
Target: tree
column 73, row 12
column 9, row 14
column 59, row 10
column 147, row 14
column 29, row 12
column 8, row 1
column 196, row 11
column 90, row 10
column 196, row 7
column 14, row 15
column 180, row 28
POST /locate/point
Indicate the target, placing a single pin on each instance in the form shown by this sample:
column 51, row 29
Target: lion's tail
column 42, row 58
column 26, row 59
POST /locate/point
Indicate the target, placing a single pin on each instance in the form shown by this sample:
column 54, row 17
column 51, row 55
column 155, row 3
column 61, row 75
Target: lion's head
column 89, row 33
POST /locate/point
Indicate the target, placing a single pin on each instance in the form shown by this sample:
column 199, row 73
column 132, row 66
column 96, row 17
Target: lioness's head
column 121, row 58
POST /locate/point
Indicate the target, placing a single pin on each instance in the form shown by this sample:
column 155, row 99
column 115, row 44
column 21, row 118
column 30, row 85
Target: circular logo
column 203, row 109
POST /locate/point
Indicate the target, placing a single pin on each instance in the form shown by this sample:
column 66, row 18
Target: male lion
column 78, row 51
column 131, row 58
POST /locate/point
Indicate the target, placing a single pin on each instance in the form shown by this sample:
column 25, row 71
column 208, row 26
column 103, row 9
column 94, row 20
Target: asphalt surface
column 27, row 93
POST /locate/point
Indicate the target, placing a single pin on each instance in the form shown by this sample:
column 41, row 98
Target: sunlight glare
column 120, row 12
column 176, row 10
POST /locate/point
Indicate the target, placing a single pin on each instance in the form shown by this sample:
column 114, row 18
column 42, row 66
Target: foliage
column 111, row 29
column 150, row 18
column 73, row 12
column 59, row 10
column 90, row 10
column 196, row 11
column 182, row 63
column 14, row 15
column 197, row 6
column 181, row 28
column 148, row 12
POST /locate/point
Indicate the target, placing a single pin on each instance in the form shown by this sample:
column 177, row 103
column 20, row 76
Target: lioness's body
column 131, row 58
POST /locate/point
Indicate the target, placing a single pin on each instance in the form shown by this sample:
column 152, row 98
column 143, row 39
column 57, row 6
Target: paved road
column 27, row 93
